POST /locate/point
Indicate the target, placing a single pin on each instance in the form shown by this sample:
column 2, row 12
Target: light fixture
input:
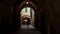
column 25, row 20
column 27, row 2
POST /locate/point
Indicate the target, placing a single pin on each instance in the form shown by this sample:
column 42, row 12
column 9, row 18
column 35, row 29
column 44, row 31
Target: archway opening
column 27, row 18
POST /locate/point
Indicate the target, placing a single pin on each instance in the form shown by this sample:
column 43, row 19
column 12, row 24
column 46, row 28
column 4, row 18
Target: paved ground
column 27, row 31
column 27, row 27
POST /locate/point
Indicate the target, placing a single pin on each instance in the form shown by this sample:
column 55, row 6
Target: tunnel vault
column 39, row 21
column 18, row 10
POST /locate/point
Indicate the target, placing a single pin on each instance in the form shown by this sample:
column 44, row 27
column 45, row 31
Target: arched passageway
column 49, row 10
column 26, row 17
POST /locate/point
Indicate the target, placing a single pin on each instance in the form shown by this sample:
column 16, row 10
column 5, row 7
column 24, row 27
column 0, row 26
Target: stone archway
column 22, row 5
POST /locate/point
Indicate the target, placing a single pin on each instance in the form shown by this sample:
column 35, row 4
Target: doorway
column 27, row 18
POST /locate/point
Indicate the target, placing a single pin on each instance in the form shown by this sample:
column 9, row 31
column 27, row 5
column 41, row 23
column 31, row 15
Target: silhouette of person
column 27, row 23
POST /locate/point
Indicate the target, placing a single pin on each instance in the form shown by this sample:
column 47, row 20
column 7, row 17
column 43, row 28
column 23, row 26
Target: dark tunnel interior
column 29, row 16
